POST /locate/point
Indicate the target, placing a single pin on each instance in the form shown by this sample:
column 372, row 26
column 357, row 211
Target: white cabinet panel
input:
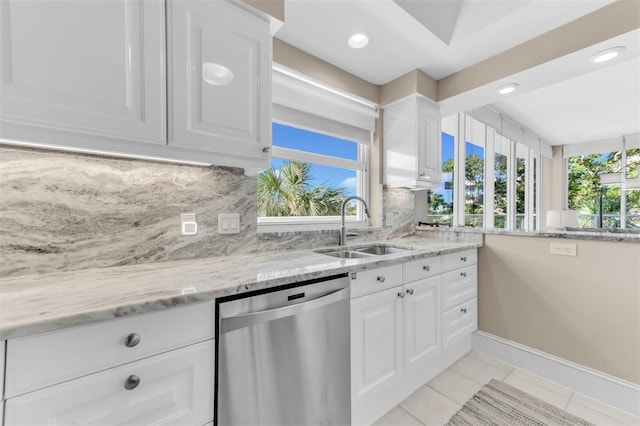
column 376, row 343
column 459, row 322
column 429, row 144
column 372, row 280
column 220, row 79
column 93, row 68
column 423, row 268
column 174, row 388
column 459, row 286
column 412, row 144
column 46, row 359
column 3, row 345
column 422, row 322
column 459, row 260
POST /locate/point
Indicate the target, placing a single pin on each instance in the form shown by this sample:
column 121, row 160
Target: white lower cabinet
column 174, row 388
column 376, row 347
column 154, row 368
column 394, row 333
column 403, row 336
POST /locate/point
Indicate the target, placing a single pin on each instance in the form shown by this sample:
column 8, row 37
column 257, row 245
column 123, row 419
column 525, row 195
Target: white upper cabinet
column 220, row 73
column 113, row 75
column 93, row 68
column 412, row 144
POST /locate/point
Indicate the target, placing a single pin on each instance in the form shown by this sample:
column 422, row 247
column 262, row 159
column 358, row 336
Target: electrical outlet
column 229, row 223
column 564, row 249
column 188, row 224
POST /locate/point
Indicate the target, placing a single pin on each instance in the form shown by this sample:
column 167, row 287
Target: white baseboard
column 611, row 390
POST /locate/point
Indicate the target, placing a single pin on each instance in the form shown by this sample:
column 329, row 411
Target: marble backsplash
column 62, row 211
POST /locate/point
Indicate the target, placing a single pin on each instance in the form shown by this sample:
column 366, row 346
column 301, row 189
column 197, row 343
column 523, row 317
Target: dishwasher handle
column 247, row 320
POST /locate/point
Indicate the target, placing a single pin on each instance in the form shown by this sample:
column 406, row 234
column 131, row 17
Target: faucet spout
column 343, row 229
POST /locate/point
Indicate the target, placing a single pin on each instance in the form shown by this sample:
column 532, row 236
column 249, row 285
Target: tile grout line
column 417, row 419
column 569, row 400
column 437, row 391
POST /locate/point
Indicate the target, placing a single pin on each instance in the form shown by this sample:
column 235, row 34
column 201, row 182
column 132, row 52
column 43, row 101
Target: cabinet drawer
column 46, row 359
column 369, row 281
column 459, row 259
column 423, row 268
column 459, row 322
column 173, row 388
column 459, row 286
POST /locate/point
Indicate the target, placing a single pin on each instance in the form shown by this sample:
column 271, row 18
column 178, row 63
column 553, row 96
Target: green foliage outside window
column 288, row 192
column 587, row 194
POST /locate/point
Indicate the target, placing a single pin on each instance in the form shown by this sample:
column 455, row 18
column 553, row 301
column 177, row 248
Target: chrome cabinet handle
column 463, row 258
column 463, row 310
column 409, row 291
column 132, row 382
column 426, row 267
column 463, row 274
column 381, row 278
column 132, row 340
column 401, row 295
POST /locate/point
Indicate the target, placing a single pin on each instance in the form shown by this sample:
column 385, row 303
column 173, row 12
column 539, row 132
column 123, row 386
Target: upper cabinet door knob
column 216, row 74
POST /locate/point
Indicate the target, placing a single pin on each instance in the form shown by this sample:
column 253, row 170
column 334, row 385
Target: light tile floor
column 438, row 400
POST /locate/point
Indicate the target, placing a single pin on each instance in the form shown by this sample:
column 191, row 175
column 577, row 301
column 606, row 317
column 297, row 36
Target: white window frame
column 529, row 144
column 303, row 103
column 622, row 144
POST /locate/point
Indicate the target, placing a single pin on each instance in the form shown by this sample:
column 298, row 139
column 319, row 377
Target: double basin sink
column 364, row 251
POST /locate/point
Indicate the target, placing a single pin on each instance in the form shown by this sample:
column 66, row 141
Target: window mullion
column 511, row 187
column 311, row 157
column 489, row 177
column 459, row 173
column 529, row 191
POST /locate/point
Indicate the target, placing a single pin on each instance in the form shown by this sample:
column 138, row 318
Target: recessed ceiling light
column 507, row 88
column 606, row 55
column 358, row 40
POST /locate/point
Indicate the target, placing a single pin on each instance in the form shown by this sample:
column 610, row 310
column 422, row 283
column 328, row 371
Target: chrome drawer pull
column 463, row 258
column 463, row 310
column 401, row 295
column 409, row 291
column 381, row 278
column 132, row 382
column 463, row 274
column 426, row 267
column 132, row 340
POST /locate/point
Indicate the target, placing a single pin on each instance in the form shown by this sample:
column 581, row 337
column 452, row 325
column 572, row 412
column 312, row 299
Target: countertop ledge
column 37, row 304
column 618, row 236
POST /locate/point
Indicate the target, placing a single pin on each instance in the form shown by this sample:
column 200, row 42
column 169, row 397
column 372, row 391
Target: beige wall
column 296, row 59
column 273, row 8
column 585, row 309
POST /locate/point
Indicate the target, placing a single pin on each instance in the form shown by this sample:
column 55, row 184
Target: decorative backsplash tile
column 63, row 211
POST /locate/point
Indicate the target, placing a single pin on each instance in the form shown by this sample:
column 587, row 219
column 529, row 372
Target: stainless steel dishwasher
column 283, row 356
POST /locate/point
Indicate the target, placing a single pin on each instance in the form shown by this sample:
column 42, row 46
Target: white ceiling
column 441, row 37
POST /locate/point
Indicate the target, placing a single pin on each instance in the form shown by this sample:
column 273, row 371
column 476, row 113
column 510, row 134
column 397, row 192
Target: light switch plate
column 229, row 223
column 564, row 249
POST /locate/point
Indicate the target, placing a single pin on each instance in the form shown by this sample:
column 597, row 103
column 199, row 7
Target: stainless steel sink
column 363, row 251
column 380, row 249
column 345, row 254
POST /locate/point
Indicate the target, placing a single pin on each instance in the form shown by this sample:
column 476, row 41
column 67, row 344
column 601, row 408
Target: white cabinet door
column 175, row 388
column 412, row 144
column 422, row 322
column 376, row 350
column 220, row 80
column 429, row 144
column 91, row 68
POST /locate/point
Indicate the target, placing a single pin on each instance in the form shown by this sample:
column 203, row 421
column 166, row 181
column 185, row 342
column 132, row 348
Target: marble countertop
column 618, row 235
column 41, row 303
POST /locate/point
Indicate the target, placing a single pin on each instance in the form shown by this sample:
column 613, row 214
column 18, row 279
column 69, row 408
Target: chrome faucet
column 343, row 229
